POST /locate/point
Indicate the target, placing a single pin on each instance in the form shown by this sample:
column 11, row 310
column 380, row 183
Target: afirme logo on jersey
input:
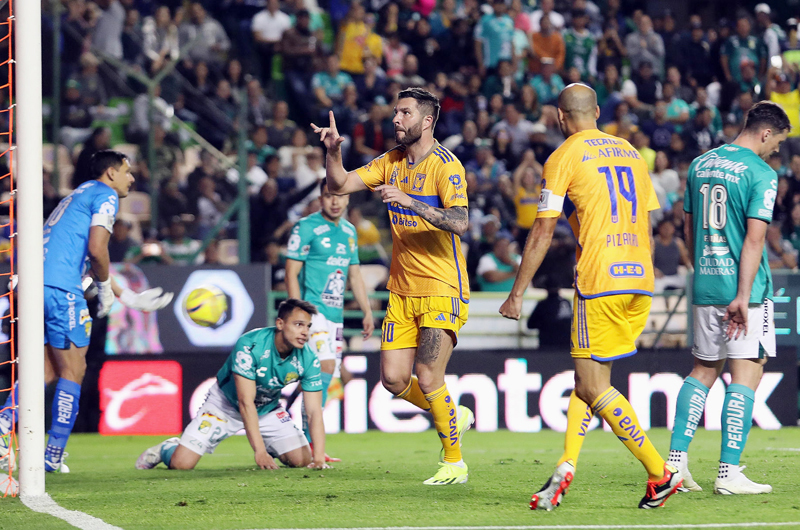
column 240, row 309
column 141, row 397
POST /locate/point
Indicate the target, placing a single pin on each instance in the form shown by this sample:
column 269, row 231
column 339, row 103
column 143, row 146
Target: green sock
column 737, row 418
column 166, row 452
column 688, row 411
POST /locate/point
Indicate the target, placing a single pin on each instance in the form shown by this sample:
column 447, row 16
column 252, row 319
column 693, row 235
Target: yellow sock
column 578, row 417
column 414, row 395
column 444, row 419
column 618, row 413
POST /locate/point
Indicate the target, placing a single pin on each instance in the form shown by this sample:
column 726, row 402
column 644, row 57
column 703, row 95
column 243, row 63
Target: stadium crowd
column 673, row 88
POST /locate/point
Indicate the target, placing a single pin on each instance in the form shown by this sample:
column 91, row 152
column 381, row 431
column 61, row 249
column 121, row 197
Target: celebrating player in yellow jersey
column 424, row 187
column 602, row 185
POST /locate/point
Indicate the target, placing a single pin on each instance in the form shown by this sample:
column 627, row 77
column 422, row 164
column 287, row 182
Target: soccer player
column 424, row 187
column 729, row 198
column 602, row 185
column 324, row 247
column 247, row 395
column 78, row 229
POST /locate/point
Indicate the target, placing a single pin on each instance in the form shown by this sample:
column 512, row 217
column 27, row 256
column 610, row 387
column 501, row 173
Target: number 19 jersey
column 602, row 185
column 727, row 186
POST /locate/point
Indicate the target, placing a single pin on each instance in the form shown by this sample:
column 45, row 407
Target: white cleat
column 688, row 482
column 152, row 456
column 554, row 489
column 57, row 467
column 738, row 484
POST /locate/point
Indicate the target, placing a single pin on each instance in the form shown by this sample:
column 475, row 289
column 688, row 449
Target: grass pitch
column 380, row 484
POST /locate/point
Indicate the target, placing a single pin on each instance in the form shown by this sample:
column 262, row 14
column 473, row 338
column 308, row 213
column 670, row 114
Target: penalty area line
column 84, row 521
column 561, row 527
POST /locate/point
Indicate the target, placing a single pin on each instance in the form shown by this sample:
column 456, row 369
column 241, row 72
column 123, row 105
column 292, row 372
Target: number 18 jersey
column 602, row 185
column 727, row 186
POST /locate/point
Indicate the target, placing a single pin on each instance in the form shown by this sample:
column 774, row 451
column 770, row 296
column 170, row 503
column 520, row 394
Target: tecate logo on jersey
column 141, row 397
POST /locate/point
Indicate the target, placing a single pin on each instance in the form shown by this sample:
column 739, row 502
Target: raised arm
column 340, row 181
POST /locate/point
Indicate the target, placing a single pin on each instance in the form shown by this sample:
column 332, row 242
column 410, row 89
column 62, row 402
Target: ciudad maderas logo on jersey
column 333, row 293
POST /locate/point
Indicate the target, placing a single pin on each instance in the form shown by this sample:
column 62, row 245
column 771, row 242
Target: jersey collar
column 418, row 162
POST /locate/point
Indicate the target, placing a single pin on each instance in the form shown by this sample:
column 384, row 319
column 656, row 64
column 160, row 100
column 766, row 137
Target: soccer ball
column 206, row 305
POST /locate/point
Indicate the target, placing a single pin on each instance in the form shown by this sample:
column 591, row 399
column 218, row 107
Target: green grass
column 380, row 484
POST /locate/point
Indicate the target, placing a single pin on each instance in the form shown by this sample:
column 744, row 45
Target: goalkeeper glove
column 149, row 300
column 105, row 296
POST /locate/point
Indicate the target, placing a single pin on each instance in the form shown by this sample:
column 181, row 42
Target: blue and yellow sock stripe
column 603, row 401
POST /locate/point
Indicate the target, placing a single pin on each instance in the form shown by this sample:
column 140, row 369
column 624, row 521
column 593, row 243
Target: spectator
column 648, row 87
column 669, row 253
column 75, row 29
column 527, row 187
column 459, row 48
column 771, row 34
column 139, row 125
column 372, row 85
column 120, row 242
column 171, row 203
column 160, row 36
column 329, row 86
column 682, row 91
column 677, row 109
column 211, row 254
column 611, row 85
column 299, row 48
column 696, row 57
column 370, row 136
column 701, row 101
column 93, row 93
column 641, row 142
column 277, row 263
column 700, row 134
column 394, row 53
column 519, row 131
column 622, row 125
column 356, row 40
column 280, row 128
column 493, row 35
column 646, row 45
column 293, row 155
column 497, row 269
column 410, row 76
column 488, row 227
column 234, row 74
column 780, row 252
column 529, row 104
column 207, row 36
column 548, row 84
column 502, row 82
column 259, row 109
column 792, row 228
column 210, row 207
column 465, row 145
column 181, row 248
column 546, row 11
column 107, row 34
column 370, row 250
column 547, row 42
column 443, row 18
column 779, row 90
column 659, row 129
column 552, row 317
column 742, row 45
column 150, row 252
column 268, row 27
column 311, row 172
column 666, row 178
column 259, row 144
column 610, row 49
column 730, row 129
column 269, row 215
column 256, row 176
column 132, row 39
column 99, row 140
column 76, row 116
column 581, row 47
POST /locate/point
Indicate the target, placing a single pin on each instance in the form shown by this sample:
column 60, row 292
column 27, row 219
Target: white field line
column 84, row 521
column 560, row 527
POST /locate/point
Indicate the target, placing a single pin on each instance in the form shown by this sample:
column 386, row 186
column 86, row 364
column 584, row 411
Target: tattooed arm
column 454, row 219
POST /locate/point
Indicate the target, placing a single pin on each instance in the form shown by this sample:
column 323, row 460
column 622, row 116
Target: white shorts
column 326, row 339
column 217, row 419
column 711, row 343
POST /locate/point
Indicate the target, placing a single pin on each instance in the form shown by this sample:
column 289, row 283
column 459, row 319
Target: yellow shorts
column 405, row 315
column 606, row 328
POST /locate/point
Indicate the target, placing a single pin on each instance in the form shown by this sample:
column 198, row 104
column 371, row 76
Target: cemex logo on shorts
column 141, row 397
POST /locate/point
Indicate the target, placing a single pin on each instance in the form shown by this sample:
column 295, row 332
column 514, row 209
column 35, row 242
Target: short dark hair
column 427, row 102
column 290, row 304
column 322, row 185
column 766, row 115
column 102, row 160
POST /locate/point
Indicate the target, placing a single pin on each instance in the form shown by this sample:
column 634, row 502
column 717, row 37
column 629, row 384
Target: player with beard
column 424, row 188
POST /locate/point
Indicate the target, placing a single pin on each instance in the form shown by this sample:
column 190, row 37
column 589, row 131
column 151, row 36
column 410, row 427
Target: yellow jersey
column 602, row 185
column 426, row 261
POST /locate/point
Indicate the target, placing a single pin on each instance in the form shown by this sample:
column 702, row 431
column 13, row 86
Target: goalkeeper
column 247, row 393
column 78, row 230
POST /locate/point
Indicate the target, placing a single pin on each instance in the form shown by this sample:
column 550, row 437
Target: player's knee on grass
column 299, row 457
column 184, row 458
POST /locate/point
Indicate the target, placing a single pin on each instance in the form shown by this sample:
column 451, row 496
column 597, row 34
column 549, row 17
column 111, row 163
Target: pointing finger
column 333, row 120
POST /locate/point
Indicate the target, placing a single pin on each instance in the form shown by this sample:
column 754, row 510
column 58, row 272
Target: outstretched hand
column 329, row 135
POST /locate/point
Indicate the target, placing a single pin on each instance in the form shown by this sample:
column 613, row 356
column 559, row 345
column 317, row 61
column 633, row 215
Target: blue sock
column 9, row 413
column 737, row 418
column 65, row 410
column 326, row 382
column 166, row 452
column 688, row 411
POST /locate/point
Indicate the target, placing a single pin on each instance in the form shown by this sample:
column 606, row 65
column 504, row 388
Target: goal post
column 27, row 93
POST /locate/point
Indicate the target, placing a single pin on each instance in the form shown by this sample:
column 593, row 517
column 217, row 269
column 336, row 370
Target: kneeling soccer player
column 246, row 396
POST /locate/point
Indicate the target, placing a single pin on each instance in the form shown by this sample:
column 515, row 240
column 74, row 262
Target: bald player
column 601, row 184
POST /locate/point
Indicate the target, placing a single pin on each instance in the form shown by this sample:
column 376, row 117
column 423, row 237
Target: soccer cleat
column 549, row 497
column 449, row 474
column 152, row 456
column 738, row 484
column 465, row 420
column 659, row 491
column 51, row 466
column 688, row 482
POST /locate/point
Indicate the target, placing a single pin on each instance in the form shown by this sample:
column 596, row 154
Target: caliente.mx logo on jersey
column 333, row 293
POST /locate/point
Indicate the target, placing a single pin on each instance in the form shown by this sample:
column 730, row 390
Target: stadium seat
column 228, row 251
